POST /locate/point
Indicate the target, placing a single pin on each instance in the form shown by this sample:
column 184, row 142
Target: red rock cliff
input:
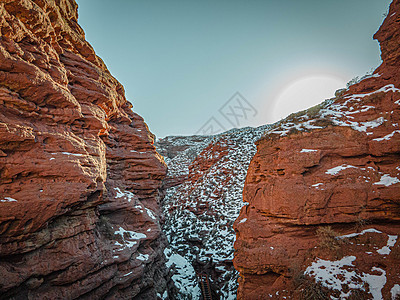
column 79, row 213
column 337, row 165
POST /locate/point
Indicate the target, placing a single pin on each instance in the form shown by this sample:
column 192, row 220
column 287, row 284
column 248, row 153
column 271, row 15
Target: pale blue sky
column 180, row 61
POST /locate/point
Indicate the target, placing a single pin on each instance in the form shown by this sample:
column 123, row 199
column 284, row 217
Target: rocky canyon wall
column 79, row 175
column 323, row 194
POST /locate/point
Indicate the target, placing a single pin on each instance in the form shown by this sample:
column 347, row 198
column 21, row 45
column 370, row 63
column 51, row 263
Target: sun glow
column 305, row 92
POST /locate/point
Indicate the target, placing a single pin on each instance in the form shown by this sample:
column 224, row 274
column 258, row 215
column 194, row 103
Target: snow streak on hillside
column 199, row 212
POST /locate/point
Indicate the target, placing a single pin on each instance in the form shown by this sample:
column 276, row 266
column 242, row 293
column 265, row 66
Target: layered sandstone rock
column 336, row 164
column 80, row 177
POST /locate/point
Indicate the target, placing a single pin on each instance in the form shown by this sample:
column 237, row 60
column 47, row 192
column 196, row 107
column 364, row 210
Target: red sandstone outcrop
column 80, row 177
column 336, row 164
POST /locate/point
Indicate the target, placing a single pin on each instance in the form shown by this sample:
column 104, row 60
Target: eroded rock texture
column 79, row 175
column 337, row 165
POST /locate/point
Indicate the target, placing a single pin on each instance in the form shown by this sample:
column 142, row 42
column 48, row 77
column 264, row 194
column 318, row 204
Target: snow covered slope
column 203, row 197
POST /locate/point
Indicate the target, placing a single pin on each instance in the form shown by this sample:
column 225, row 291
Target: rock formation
column 203, row 197
column 80, row 177
column 323, row 194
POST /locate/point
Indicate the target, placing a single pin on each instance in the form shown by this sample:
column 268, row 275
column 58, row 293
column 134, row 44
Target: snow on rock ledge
column 351, row 181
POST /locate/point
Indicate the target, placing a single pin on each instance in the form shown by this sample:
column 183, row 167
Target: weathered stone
column 336, row 164
column 80, row 177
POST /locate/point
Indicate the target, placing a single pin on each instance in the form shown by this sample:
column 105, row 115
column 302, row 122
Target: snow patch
column 390, row 243
column 165, row 295
column 375, row 75
column 142, row 257
column 326, row 272
column 150, row 213
column 385, row 89
column 308, row 150
column 68, row 153
column 336, row 170
column 375, row 282
column 133, row 151
column 131, row 234
column 185, row 278
column 127, row 237
column 336, row 274
column 128, row 195
column 8, row 199
column 347, row 236
column 387, row 180
column 73, row 154
column 317, row 185
column 370, row 124
column 387, row 137
column 395, row 291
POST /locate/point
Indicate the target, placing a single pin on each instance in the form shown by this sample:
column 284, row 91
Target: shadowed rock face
column 337, row 164
column 79, row 175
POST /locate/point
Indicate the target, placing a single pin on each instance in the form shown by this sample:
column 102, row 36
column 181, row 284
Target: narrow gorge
column 93, row 206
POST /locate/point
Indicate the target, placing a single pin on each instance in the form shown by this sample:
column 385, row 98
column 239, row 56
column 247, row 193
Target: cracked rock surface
column 79, row 174
column 337, row 165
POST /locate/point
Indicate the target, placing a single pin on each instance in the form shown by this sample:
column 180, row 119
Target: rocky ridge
column 322, row 218
column 80, row 177
column 203, row 196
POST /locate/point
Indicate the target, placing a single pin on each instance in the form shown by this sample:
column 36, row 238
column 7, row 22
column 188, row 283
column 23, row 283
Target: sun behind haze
column 305, row 92
column 180, row 61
